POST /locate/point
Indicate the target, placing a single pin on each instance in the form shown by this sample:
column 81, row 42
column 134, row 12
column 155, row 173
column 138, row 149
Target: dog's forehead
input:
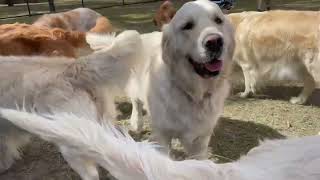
column 208, row 6
column 197, row 8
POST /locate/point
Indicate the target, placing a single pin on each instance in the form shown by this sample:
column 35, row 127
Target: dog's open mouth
column 208, row 69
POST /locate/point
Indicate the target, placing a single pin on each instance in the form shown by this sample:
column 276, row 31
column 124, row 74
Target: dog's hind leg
column 309, row 86
column 11, row 140
column 136, row 120
column 86, row 168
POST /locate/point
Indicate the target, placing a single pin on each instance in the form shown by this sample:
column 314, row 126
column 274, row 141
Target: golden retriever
column 164, row 14
column 23, row 39
column 278, row 45
column 125, row 159
column 80, row 19
column 47, row 85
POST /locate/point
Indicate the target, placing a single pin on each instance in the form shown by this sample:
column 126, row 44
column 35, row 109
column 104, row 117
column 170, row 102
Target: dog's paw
column 5, row 164
column 298, row 100
column 244, row 94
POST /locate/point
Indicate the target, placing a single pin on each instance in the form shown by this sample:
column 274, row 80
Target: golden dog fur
column 278, row 45
column 24, row 39
column 164, row 14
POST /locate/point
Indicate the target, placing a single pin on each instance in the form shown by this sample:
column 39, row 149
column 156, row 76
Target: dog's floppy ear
column 167, row 44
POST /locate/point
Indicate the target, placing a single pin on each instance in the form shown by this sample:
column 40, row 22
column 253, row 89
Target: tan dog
column 278, row 45
column 80, row 19
column 24, row 39
column 164, row 14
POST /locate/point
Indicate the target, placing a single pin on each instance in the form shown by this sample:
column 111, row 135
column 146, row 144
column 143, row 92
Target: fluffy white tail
column 116, row 151
column 99, row 41
column 112, row 63
column 113, row 149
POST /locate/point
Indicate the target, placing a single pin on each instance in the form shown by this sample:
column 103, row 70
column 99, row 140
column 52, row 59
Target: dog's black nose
column 214, row 43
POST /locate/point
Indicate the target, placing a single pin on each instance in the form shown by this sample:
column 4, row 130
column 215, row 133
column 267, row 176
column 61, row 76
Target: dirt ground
column 244, row 123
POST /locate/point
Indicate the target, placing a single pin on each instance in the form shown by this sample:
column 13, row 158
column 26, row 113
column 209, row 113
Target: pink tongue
column 215, row 66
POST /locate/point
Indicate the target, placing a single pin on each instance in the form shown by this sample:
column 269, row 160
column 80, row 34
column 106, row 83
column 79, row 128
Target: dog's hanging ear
column 166, row 44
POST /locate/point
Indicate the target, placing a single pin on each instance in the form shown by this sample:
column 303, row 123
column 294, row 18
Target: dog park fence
column 21, row 8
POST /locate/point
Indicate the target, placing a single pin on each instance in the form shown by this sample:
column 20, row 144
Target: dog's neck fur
column 190, row 93
column 196, row 92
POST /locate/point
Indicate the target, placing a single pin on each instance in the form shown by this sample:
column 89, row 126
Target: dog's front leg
column 86, row 168
column 197, row 148
column 309, row 85
column 136, row 119
column 163, row 139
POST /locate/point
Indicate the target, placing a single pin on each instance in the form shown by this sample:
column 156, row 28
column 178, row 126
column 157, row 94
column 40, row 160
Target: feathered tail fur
column 116, row 151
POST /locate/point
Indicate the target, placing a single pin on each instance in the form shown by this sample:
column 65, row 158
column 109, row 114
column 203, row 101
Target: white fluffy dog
column 185, row 86
column 64, row 85
column 125, row 159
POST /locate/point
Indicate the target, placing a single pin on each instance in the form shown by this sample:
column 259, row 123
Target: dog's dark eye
column 218, row 20
column 188, row 26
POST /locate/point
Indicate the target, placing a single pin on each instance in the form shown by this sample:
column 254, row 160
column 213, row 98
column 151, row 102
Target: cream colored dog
column 48, row 85
column 125, row 159
column 185, row 82
column 278, row 45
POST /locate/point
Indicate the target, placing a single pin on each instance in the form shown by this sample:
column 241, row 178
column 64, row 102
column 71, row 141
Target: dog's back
column 237, row 18
column 23, row 39
column 80, row 19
